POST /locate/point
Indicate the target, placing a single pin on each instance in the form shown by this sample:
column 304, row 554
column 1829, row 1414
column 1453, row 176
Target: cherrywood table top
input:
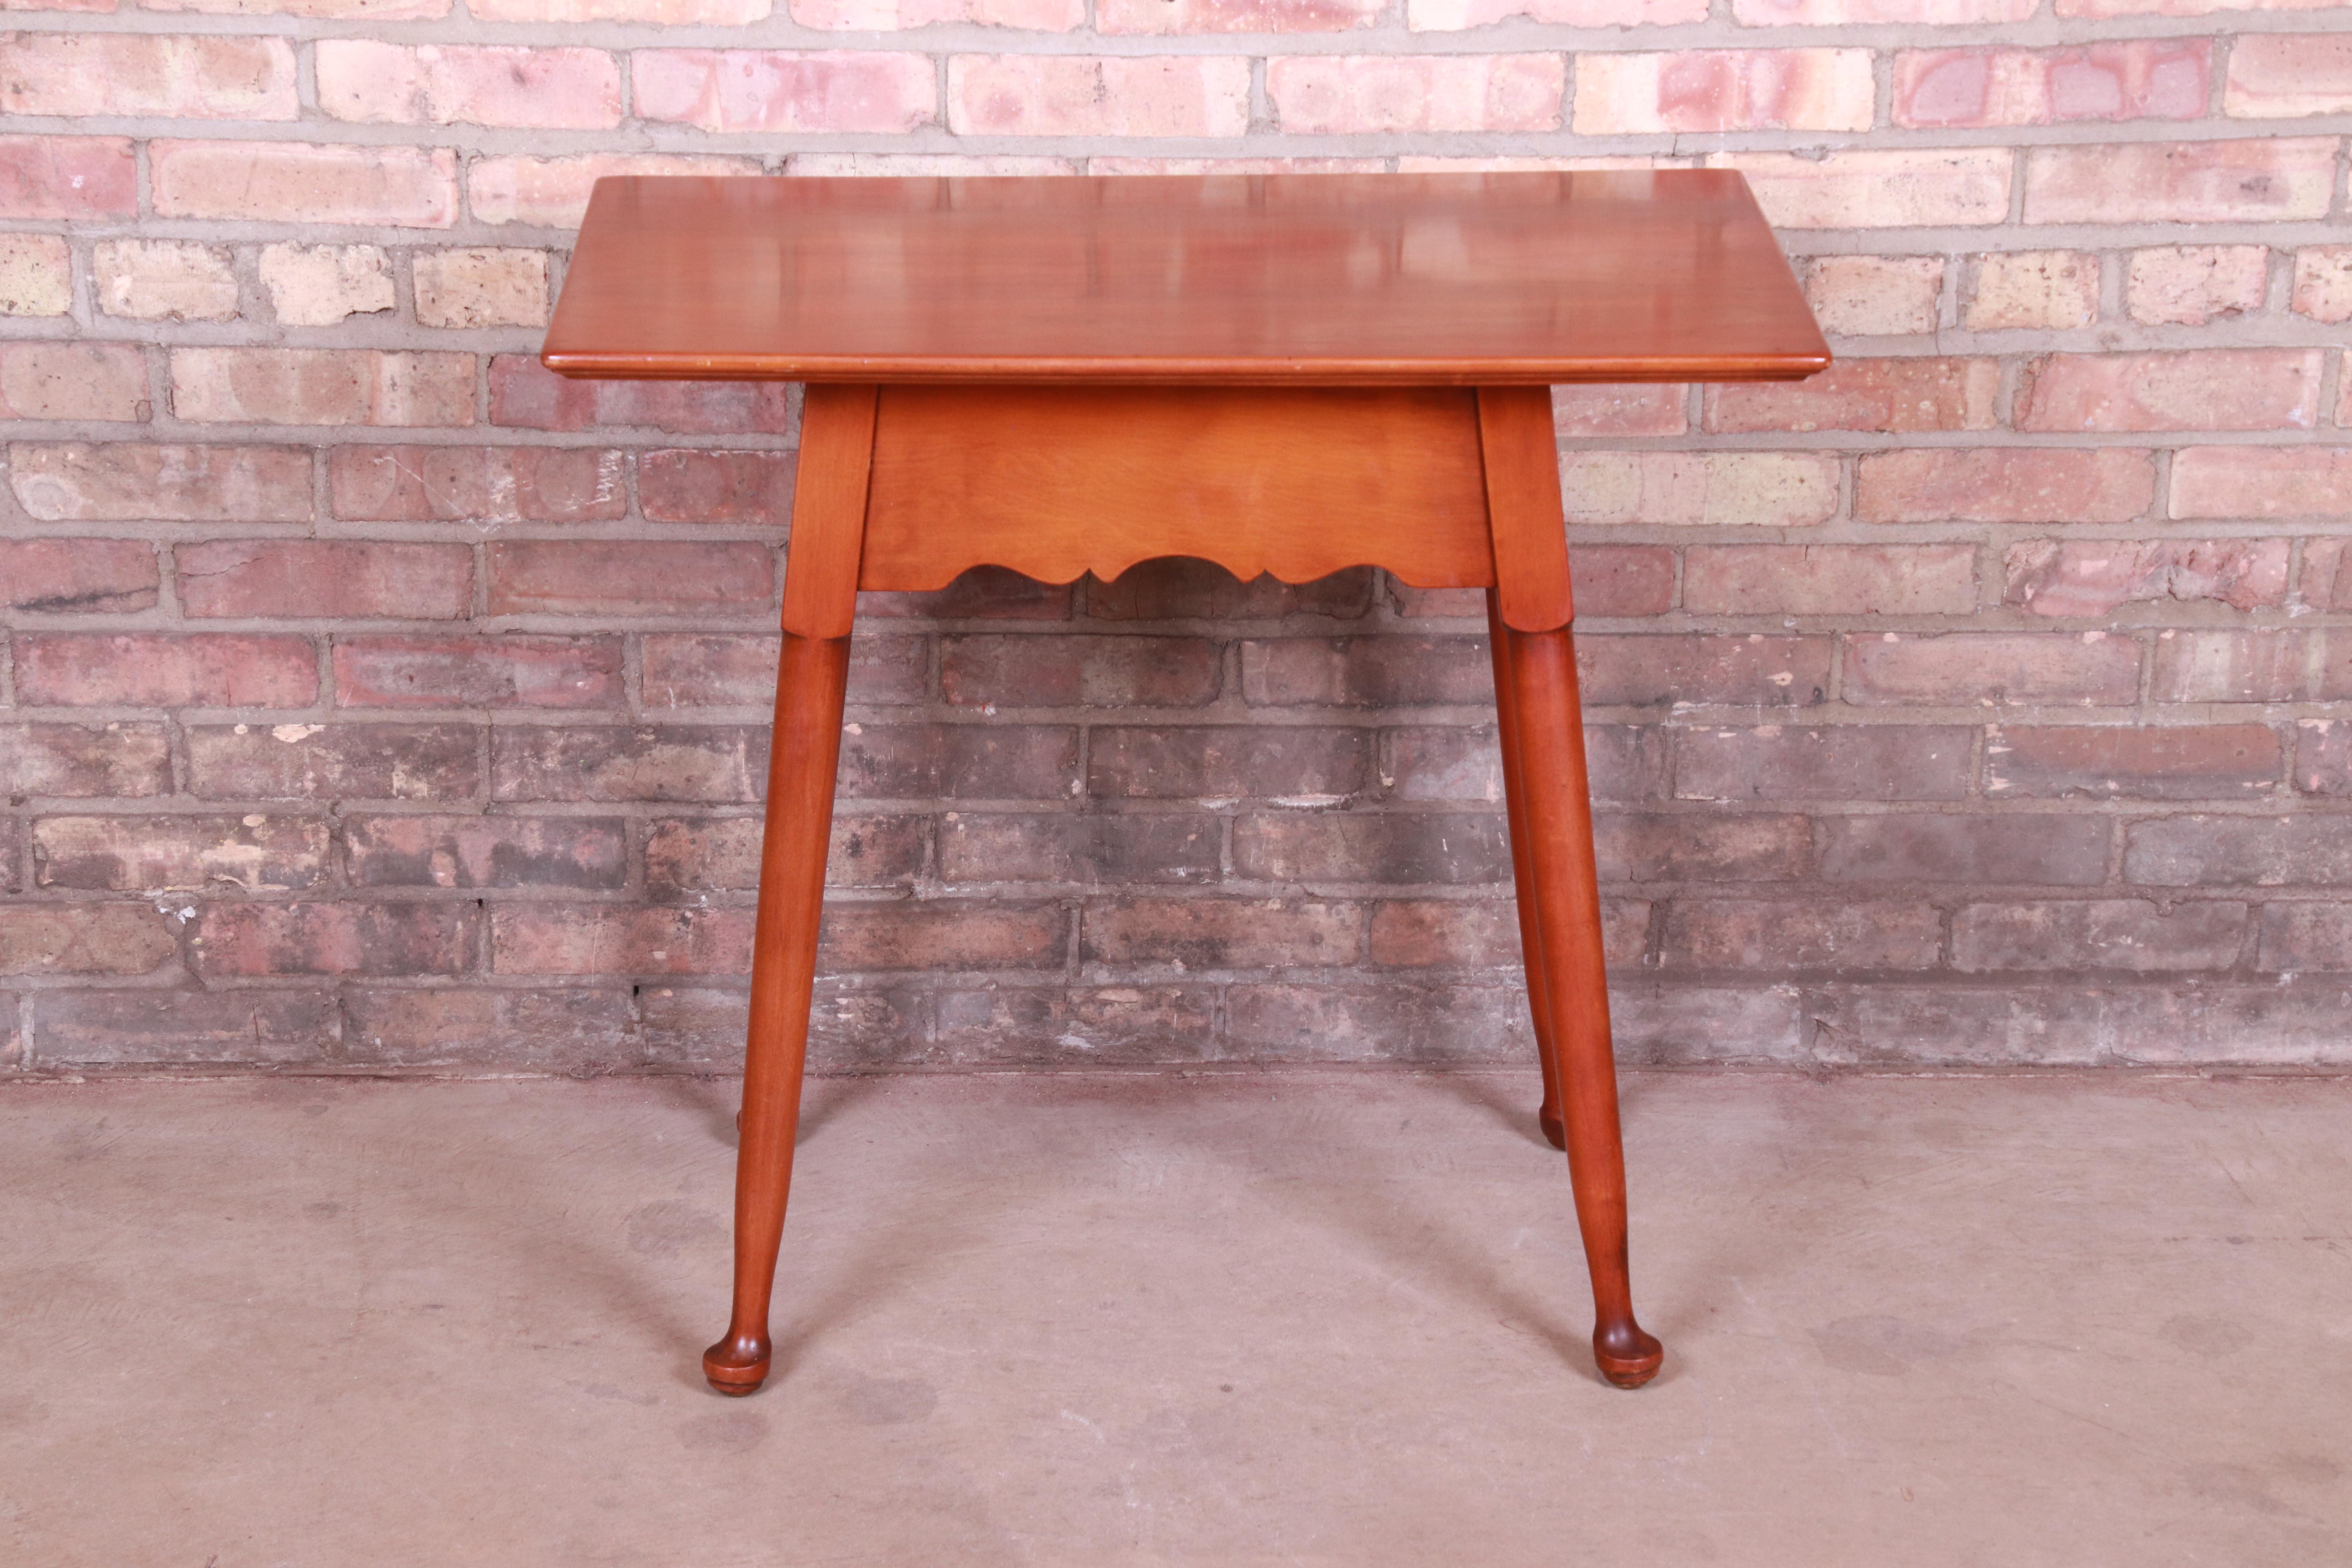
column 1316, row 279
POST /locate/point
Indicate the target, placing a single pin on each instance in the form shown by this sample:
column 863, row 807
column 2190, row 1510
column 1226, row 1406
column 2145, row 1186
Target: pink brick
column 1341, row 94
column 73, row 381
column 1876, row 295
column 525, row 395
column 149, row 671
column 587, row 938
column 2214, row 389
column 2003, row 484
column 902, row 165
column 362, row 79
column 1766, row 488
column 1859, row 13
column 1452, row 16
column 311, row 579
column 2143, row 79
column 68, row 177
column 2253, row 666
column 2254, row 180
column 76, row 481
column 1610, row 410
column 891, row 16
column 1161, row 16
column 553, row 193
column 2262, row 482
column 332, row 10
column 665, row 13
column 1621, row 579
column 2322, row 285
column 2276, row 76
column 1886, row 395
column 775, row 89
column 321, row 386
column 1895, row 668
column 294, row 182
column 1830, row 580
column 2188, row 285
column 2103, row 8
column 90, row 5
column 413, row 483
column 1723, row 90
column 36, row 275
column 217, row 77
column 591, row 578
column 1885, row 188
column 78, row 577
column 1081, row 95
column 2043, row 290
column 509, row 672
column 2097, row 576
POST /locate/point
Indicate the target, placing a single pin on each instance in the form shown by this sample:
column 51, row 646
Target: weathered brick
column 572, row 1029
column 322, row 386
column 294, row 182
column 942, row 935
column 1851, row 13
column 338, row 10
column 2261, row 481
column 1284, row 1022
column 718, row 762
column 2322, row 757
column 89, row 760
column 2004, row 484
column 2211, row 762
column 2131, row 934
column 333, row 762
column 927, row 165
column 1465, row 933
column 73, row 381
column 83, row 939
column 2257, row 180
column 78, row 577
column 1776, row 490
column 1222, row 933
column 1877, row 187
column 2134, row 78
column 319, row 285
column 490, row 286
column 578, row 852
column 1830, row 580
column 251, row 941
column 2070, row 1023
column 1909, row 847
column 1787, row 935
column 1869, row 296
column 148, row 670
column 1180, row 588
column 494, row 484
column 1088, row 95
column 216, row 77
column 1711, row 847
column 833, row 92
column 1052, row 671
column 691, row 670
column 1187, row 17
column 69, row 178
column 246, row 1027
column 2277, row 76
column 1096, row 848
column 1448, row 848
column 1995, row 669
column 553, row 193
column 1875, row 762
column 1627, row 762
column 317, row 579
column 2191, row 285
column 1603, row 409
column 1886, row 395
column 2253, row 666
column 2323, row 284
column 145, row 854
column 162, row 281
column 722, row 853
column 1723, row 90
column 36, row 275
column 2304, row 937
column 1621, row 579
column 78, row 482
column 580, row 577
column 1446, row 761
column 1452, row 16
column 2212, row 389
column 1387, row 672
column 1694, row 668
column 668, row 13
column 2239, row 851
column 2098, row 576
column 1291, row 764
column 960, row 762
column 367, row 81
column 2041, row 290
column 604, row 939
column 1345, row 94
column 891, row 16
column 505, row 672
column 2326, row 581
column 716, row 486
column 526, row 395
column 1037, row 1025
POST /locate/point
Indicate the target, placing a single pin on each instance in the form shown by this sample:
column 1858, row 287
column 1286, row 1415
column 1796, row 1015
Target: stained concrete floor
column 1318, row 1319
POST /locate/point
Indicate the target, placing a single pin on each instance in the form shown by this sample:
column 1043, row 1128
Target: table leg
column 1566, row 970
column 1515, row 794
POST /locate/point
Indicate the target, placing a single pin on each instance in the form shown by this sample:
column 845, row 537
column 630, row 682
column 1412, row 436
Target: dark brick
column 411, row 483
column 580, row 852
column 1729, row 933
column 717, row 487
column 1441, row 762
column 448, row 1026
column 334, row 762
column 1450, row 847
column 78, row 577
column 252, row 940
column 1391, row 671
column 1057, row 671
column 1311, row 765
column 960, row 761
column 982, row 594
column 1178, row 588
column 1657, row 671
column 2322, row 757
column 1877, row 762
column 715, row 762
column 1701, row 847
column 512, row 670
column 1222, row 933
column 722, row 853
column 2304, row 937
column 2133, row 934
column 867, row 937
column 2239, row 851
column 84, row 939
column 159, row 854
column 1484, row 933
column 2217, row 762
column 1089, row 847
column 1621, row 579
column 86, row 760
column 158, row 1029
column 619, row 939
column 2067, row 851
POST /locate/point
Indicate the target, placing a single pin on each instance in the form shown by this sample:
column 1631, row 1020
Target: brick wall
column 375, row 698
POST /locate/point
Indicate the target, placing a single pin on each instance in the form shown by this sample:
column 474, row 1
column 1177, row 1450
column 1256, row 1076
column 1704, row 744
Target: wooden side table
column 1283, row 373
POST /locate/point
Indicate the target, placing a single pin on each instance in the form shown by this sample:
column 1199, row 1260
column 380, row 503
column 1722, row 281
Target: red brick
column 2322, row 757
column 2215, row 389
column 1877, row 187
column 575, row 1029
column 722, row 853
column 251, row 941
column 491, row 484
column 78, row 577
column 1713, row 846
column 506, row 671
column 985, row 593
column 293, row 181
column 525, row 395
column 2137, row 78
column 580, row 577
column 2304, row 937
column 1776, row 490
column 1120, row 849
column 1785, row 935
column 1995, row 670
column 1621, row 579
column 2261, row 481
column 2253, row 666
column 370, row 81
column 2130, row 934
column 1291, row 764
column 2277, row 76
column 210, row 77
column 2189, row 285
column 717, row 487
column 1886, row 395
column 1696, row 668
column 553, row 193
column 152, row 671
column 2191, row 851
column 84, row 760
column 954, row 936
column 1723, row 90
column 1934, row 848
column 1427, row 933
column 580, row 852
column 333, row 762
column 1081, row 95
column 1386, row 672
column 1830, row 580
column 1179, row 588
column 146, row 854
column 76, row 482
column 1442, row 762
column 83, row 939
column 836, row 92
column 1877, row 762
column 2098, row 576
column 1602, row 409
column 313, row 579
column 322, row 386
column 1224, row 933
column 1350, row 94
column 2004, row 484
column 890, row 15
column 2256, row 180
column 69, row 177
column 1034, row 671
column 960, row 762
column 263, row 1027
column 724, row 763
column 2216, row 762
column 73, row 381
column 1398, row 848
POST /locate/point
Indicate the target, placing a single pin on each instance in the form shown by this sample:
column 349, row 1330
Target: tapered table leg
column 1548, row 1117
column 811, row 679
column 1566, row 962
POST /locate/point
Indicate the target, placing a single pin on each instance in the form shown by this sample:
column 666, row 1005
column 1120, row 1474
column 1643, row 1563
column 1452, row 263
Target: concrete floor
column 1125, row 1321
